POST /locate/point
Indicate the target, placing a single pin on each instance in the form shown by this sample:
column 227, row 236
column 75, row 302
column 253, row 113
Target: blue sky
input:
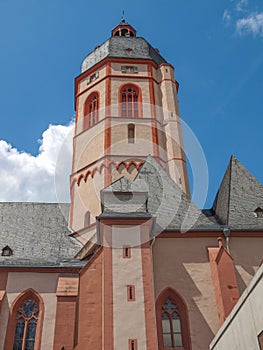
column 215, row 47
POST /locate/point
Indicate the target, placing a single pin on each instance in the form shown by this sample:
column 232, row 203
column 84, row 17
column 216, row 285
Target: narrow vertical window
column 131, row 293
column 91, row 111
column 131, row 133
column 133, row 344
column 87, row 219
column 129, row 102
column 126, row 252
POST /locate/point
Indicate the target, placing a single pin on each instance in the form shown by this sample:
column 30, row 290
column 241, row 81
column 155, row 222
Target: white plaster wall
column 43, row 283
column 245, row 322
column 129, row 316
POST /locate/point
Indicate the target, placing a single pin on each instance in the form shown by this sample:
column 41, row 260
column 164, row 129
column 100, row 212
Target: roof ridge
column 229, row 188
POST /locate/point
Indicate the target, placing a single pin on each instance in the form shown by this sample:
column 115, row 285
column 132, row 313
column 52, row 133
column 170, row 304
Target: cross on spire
column 123, row 17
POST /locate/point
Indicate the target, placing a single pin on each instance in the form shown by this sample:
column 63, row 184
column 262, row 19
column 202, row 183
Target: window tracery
column 26, row 325
column 129, row 102
column 91, row 111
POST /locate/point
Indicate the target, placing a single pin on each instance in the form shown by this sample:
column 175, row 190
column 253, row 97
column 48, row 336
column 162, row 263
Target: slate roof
column 167, row 203
column 239, row 195
column 116, row 47
column 37, row 233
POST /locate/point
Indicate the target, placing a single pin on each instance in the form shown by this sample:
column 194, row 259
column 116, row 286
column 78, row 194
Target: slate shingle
column 37, row 233
column 239, row 195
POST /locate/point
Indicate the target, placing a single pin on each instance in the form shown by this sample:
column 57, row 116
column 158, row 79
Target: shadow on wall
column 186, row 269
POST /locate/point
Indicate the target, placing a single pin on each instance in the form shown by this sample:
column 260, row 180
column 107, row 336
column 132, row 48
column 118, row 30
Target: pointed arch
column 91, row 110
column 88, row 173
column 102, row 168
column 25, row 322
column 139, row 165
column 81, row 176
column 131, row 166
column 130, row 101
column 172, row 321
column 121, row 165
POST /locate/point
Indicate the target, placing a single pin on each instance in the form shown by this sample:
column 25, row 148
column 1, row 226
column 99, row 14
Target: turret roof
column 239, row 196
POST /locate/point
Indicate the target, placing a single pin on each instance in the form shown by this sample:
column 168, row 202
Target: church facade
column 131, row 263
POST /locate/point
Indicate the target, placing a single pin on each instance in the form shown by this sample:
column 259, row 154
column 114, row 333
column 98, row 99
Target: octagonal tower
column 126, row 108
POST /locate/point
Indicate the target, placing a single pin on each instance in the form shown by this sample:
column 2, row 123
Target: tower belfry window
column 91, row 111
column 129, row 102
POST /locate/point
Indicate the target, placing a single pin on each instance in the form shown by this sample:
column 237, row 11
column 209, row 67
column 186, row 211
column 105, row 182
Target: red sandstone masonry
column 224, row 280
column 90, row 305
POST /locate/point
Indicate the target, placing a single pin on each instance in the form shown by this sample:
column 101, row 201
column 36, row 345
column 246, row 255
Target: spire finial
column 123, row 17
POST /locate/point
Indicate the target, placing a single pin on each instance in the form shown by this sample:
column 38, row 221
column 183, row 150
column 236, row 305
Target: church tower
column 126, row 109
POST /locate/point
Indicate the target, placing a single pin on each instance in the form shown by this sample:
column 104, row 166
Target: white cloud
column 24, row 177
column 241, row 5
column 226, row 17
column 253, row 24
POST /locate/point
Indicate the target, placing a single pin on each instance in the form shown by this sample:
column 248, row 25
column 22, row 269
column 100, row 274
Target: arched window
column 172, row 321
column 171, row 325
column 131, row 133
column 129, row 99
column 91, row 114
column 25, row 322
column 87, row 219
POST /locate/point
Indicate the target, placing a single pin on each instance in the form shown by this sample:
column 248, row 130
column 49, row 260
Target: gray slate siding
column 116, row 47
column 37, row 233
column 239, row 195
column 166, row 202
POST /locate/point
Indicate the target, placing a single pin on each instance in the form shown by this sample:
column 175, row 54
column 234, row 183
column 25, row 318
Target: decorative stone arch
column 29, row 294
column 91, row 110
column 181, row 310
column 130, row 101
column 81, row 176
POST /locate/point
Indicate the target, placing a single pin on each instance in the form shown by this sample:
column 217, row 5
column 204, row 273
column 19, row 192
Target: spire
column 123, row 17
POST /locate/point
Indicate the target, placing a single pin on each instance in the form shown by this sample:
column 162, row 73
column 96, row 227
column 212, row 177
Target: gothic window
column 131, row 133
column 172, row 321
column 26, row 325
column 129, row 96
column 171, row 325
column 91, row 111
column 25, row 322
